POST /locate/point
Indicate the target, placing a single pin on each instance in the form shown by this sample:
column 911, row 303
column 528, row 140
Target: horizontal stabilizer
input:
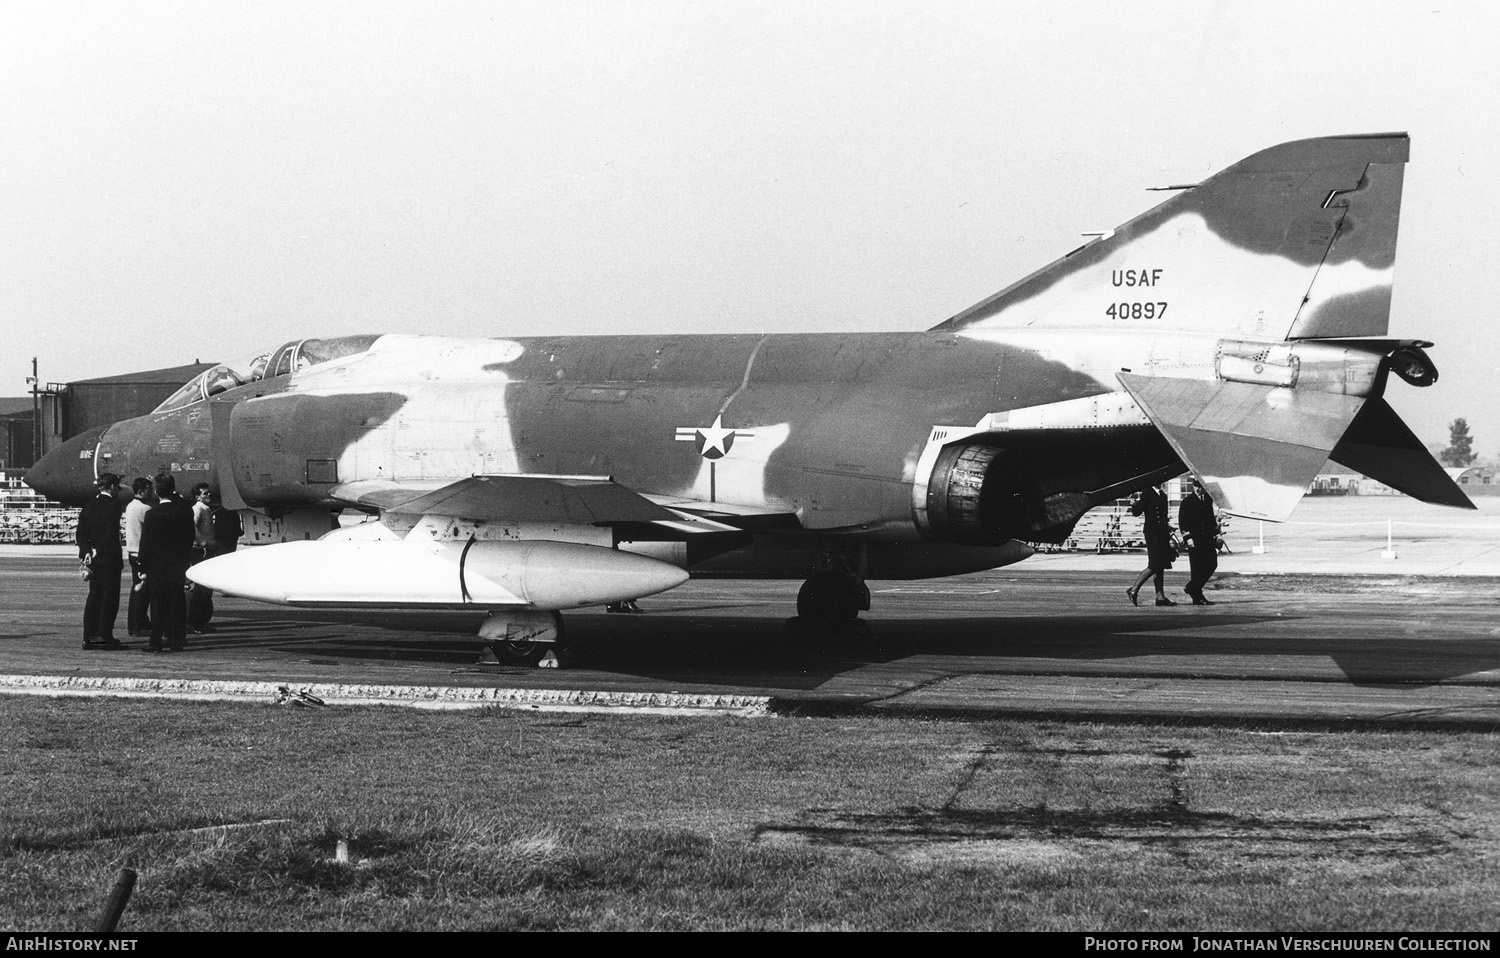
column 1379, row 445
column 1257, row 448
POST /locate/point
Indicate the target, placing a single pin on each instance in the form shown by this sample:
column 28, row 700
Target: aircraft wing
column 730, row 516
column 586, row 500
column 589, row 500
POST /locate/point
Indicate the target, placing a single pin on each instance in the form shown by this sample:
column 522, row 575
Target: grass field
column 496, row 819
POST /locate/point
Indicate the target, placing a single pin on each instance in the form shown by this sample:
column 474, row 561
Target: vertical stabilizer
column 1297, row 241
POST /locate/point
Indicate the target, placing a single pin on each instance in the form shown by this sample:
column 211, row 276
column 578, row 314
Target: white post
column 1390, row 547
column 1260, row 550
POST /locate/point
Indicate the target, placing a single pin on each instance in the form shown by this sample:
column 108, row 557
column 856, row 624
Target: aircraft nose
column 66, row 474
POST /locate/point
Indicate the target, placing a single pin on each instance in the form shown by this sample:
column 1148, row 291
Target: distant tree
column 1460, row 451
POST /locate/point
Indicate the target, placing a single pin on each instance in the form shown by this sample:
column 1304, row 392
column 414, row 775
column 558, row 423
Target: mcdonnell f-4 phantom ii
column 1238, row 330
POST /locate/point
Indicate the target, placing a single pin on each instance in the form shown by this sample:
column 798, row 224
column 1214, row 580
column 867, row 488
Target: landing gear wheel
column 543, row 646
column 831, row 601
column 833, row 598
column 538, row 655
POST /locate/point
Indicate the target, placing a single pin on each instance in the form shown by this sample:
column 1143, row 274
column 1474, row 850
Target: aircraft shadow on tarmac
column 687, row 645
column 1095, row 638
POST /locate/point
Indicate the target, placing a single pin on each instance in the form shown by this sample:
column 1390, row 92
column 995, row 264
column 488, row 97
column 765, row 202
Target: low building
column 1472, row 475
column 17, row 433
column 1337, row 480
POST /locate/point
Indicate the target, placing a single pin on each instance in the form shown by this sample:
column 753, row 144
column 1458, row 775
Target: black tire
column 832, row 598
column 533, row 654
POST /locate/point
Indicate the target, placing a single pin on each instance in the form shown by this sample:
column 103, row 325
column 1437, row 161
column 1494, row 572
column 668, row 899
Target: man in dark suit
column 1199, row 526
column 166, row 552
column 99, row 547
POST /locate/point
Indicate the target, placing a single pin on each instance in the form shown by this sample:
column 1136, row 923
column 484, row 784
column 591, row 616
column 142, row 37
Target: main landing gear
column 829, row 603
column 828, row 607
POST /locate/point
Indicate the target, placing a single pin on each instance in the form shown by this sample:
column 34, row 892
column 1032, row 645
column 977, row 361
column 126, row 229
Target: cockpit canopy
column 288, row 358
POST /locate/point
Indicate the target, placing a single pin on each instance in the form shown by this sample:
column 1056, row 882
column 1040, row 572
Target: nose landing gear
column 534, row 639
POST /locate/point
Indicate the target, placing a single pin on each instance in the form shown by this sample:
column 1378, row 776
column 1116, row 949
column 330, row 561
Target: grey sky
column 200, row 180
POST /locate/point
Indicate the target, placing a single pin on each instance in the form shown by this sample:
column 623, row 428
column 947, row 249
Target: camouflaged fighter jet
column 1237, row 330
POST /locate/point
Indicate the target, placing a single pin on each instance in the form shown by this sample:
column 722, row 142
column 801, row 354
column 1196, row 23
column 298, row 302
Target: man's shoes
column 1200, row 600
column 1163, row 600
column 112, row 644
column 152, row 648
column 1134, row 600
column 176, row 648
column 628, row 606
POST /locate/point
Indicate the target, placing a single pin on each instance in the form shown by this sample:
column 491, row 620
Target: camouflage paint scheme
column 422, row 412
column 1238, row 330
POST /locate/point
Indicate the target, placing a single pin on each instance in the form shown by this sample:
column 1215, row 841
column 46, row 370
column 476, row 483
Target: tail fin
column 1282, row 264
column 1294, row 242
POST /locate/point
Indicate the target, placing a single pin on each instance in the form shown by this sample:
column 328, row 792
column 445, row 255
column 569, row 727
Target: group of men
column 164, row 535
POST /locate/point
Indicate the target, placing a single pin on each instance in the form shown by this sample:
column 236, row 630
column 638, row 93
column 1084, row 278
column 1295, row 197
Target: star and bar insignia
column 714, row 442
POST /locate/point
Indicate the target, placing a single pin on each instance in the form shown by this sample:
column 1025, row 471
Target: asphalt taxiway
column 1301, row 635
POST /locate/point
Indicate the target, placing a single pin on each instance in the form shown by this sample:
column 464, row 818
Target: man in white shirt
column 137, row 616
column 200, row 599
